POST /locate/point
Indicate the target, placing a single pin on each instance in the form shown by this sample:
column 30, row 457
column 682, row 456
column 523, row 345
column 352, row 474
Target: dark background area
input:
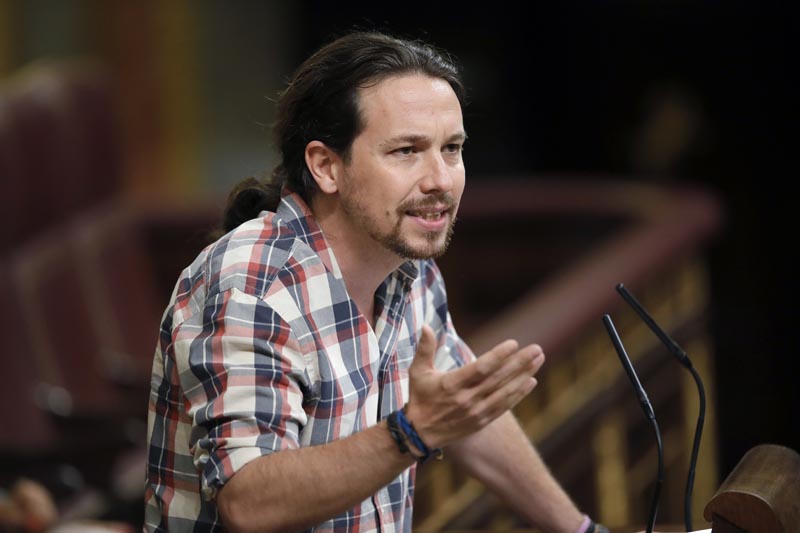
column 570, row 88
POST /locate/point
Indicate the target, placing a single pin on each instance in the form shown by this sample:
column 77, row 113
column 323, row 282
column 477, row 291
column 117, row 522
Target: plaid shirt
column 261, row 349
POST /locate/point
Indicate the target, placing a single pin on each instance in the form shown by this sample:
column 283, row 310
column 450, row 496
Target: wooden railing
column 538, row 260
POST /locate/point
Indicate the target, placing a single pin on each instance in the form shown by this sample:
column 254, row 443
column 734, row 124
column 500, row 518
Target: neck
column 364, row 265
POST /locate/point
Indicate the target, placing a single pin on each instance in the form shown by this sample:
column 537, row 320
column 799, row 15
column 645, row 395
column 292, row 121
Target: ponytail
column 247, row 199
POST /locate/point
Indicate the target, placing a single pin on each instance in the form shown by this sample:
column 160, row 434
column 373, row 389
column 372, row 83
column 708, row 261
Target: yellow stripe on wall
column 177, row 80
column 610, row 453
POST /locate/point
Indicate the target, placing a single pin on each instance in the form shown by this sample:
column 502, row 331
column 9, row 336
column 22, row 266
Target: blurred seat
column 117, row 276
column 58, row 146
column 25, row 425
column 13, row 184
column 66, row 329
column 45, row 435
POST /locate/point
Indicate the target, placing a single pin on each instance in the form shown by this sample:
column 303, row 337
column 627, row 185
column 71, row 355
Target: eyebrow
column 413, row 139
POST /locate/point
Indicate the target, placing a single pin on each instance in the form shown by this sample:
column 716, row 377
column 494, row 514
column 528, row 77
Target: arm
column 502, row 457
column 324, row 481
column 295, row 488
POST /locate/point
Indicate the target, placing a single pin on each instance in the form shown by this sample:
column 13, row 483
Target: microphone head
column 673, row 347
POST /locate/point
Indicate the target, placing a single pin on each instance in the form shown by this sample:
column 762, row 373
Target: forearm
column 502, row 457
column 293, row 489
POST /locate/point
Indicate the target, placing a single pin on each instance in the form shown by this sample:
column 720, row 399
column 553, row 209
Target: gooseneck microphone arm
column 698, row 430
column 647, row 407
column 683, row 359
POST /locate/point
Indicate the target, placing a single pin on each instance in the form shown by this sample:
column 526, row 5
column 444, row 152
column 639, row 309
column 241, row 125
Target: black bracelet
column 403, row 433
column 399, row 435
column 411, row 433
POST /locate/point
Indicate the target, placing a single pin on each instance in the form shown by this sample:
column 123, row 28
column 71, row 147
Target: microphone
column 647, row 407
column 683, row 359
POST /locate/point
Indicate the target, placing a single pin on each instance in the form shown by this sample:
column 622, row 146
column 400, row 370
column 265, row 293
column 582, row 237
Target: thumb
column 426, row 348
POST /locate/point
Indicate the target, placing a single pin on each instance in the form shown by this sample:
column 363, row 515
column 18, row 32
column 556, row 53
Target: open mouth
column 432, row 213
column 430, row 216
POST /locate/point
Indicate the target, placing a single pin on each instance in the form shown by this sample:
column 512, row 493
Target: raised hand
column 446, row 406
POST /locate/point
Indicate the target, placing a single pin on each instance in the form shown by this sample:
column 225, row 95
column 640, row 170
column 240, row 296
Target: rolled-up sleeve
column 244, row 384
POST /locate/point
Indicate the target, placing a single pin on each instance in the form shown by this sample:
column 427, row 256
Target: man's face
column 405, row 176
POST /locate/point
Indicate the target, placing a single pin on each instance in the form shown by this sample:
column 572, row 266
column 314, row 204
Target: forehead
column 410, row 101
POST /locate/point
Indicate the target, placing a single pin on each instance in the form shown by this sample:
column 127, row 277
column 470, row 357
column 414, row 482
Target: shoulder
column 257, row 255
column 249, row 258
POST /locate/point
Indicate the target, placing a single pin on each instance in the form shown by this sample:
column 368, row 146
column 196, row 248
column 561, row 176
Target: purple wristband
column 585, row 524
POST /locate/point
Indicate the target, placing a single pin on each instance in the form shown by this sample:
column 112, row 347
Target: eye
column 454, row 148
column 405, row 151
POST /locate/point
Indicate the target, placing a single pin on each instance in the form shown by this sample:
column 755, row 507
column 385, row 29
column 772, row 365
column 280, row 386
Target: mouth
column 432, row 213
column 428, row 214
column 432, row 218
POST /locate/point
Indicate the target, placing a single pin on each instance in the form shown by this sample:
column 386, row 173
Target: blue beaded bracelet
column 411, row 433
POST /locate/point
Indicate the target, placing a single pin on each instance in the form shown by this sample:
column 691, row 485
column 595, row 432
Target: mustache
column 431, row 200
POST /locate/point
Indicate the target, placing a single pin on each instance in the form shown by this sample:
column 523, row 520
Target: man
column 307, row 360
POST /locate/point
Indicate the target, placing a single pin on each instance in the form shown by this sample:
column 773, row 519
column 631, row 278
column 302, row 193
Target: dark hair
column 321, row 103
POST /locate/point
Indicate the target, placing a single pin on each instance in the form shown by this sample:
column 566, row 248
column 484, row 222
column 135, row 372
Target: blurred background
column 124, row 124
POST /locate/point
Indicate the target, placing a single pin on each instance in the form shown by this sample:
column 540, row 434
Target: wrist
column 408, row 440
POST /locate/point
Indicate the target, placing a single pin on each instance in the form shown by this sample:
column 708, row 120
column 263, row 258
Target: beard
column 434, row 242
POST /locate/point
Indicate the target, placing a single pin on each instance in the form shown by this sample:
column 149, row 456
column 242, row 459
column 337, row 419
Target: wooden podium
column 760, row 495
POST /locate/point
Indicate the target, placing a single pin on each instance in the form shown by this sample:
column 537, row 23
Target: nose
column 438, row 176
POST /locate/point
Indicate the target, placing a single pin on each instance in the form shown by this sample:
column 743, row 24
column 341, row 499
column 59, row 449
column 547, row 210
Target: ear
column 324, row 165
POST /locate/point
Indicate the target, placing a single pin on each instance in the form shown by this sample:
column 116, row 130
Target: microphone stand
column 683, row 359
column 698, row 430
column 647, row 407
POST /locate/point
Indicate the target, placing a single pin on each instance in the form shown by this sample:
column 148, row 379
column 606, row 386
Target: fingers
column 504, row 398
column 494, row 367
column 508, row 381
column 507, row 387
column 477, row 371
column 526, row 362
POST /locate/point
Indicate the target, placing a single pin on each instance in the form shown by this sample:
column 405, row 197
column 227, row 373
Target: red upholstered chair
column 117, row 277
column 58, row 146
column 58, row 317
column 26, row 427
